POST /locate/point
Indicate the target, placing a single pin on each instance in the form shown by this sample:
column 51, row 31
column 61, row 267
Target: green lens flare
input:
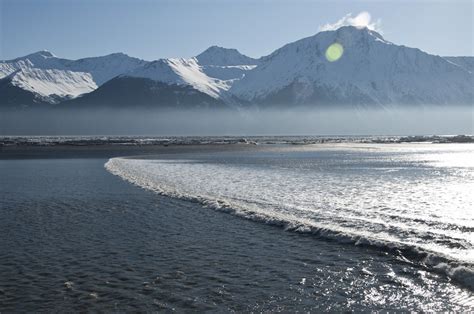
column 334, row 52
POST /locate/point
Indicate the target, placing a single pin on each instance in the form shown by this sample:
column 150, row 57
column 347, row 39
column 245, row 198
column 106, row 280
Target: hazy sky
column 183, row 28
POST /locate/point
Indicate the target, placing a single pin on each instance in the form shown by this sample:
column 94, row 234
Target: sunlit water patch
column 412, row 200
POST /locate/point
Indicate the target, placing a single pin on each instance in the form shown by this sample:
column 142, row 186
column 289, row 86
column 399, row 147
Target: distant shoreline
column 48, row 147
column 143, row 141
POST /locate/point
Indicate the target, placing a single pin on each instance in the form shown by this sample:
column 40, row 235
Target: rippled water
column 76, row 238
column 414, row 199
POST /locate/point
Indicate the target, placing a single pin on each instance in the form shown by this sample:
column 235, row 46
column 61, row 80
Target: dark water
column 74, row 237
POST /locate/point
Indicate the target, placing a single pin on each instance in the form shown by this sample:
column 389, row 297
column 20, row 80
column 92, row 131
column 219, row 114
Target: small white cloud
column 363, row 19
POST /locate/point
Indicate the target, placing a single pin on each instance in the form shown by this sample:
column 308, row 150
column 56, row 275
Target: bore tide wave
column 412, row 201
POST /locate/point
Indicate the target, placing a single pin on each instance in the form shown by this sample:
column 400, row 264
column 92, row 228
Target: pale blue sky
column 183, row 28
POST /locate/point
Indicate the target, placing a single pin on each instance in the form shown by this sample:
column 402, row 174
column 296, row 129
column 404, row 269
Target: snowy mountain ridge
column 101, row 68
column 219, row 56
column 49, row 79
column 30, row 70
column 371, row 70
column 180, row 71
column 53, row 82
column 368, row 71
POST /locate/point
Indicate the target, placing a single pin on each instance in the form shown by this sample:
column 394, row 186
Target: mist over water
column 295, row 121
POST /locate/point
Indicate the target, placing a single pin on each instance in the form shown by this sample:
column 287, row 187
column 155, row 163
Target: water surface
column 75, row 237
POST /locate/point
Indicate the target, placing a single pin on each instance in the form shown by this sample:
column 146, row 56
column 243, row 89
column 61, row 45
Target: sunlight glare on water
column 414, row 198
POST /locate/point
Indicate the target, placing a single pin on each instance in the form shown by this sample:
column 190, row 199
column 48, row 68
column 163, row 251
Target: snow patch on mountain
column 101, row 68
column 232, row 72
column 179, row 71
column 41, row 60
column 9, row 68
column 53, row 82
column 107, row 67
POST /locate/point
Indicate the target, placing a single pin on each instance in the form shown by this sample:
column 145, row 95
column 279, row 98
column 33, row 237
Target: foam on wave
column 163, row 177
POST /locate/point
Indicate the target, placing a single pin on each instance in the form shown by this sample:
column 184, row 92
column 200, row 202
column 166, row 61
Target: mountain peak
column 219, row 48
column 118, row 54
column 219, row 56
column 41, row 54
column 35, row 56
column 368, row 69
column 351, row 34
column 358, row 31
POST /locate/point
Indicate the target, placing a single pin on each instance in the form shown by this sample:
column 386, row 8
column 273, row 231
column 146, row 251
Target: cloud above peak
column 363, row 19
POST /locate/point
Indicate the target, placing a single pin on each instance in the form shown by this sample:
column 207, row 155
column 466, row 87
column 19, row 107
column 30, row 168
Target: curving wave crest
column 421, row 214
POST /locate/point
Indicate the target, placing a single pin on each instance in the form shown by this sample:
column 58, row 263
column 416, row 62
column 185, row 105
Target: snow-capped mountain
column 212, row 72
column 224, row 63
column 43, row 86
column 212, row 80
column 101, row 68
column 107, row 67
column 175, row 82
column 53, row 82
column 368, row 71
column 132, row 92
column 371, row 71
column 219, row 56
column 50, row 79
column 41, row 60
column 181, row 72
column 164, row 83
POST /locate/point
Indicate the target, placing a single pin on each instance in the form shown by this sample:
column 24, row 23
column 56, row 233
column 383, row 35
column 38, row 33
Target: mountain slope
column 101, row 68
column 371, row 71
column 137, row 92
column 14, row 97
column 224, row 63
column 180, row 72
column 215, row 55
column 53, row 82
column 174, row 82
column 464, row 62
column 368, row 71
column 32, row 86
column 41, row 60
column 45, row 78
column 107, row 67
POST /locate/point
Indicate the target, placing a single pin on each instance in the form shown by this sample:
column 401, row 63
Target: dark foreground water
column 75, row 237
